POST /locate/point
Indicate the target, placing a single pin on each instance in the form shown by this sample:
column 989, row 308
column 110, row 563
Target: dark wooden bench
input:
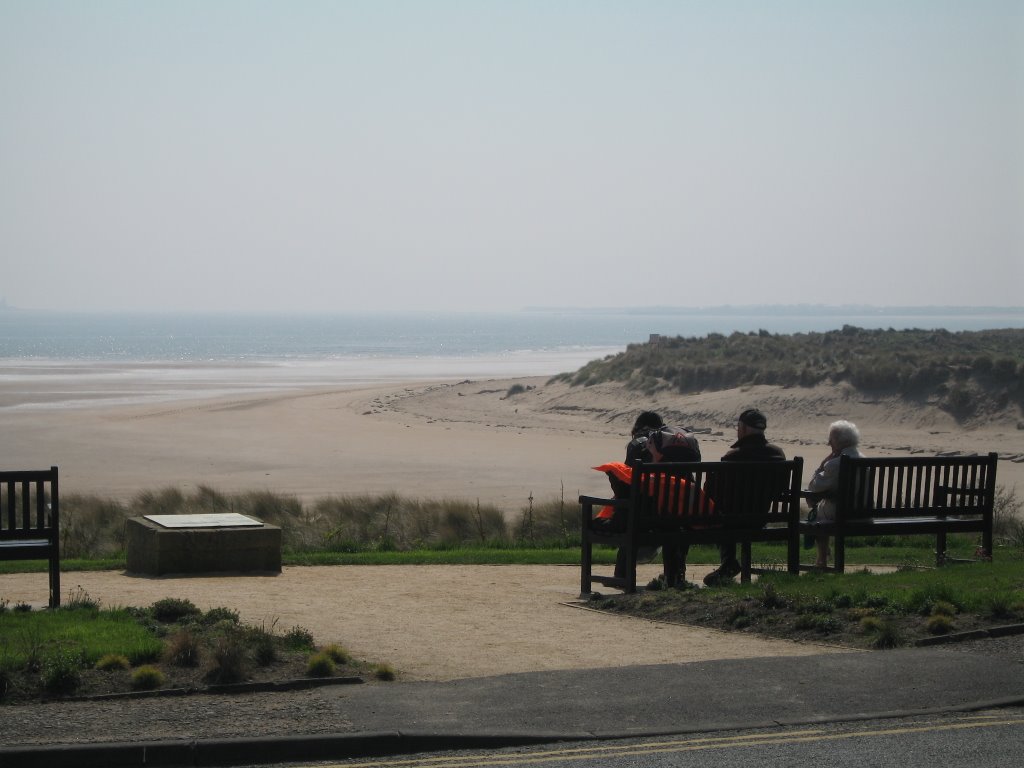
column 935, row 495
column 697, row 503
column 30, row 521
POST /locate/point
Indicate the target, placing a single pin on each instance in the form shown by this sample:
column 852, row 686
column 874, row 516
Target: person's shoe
column 725, row 573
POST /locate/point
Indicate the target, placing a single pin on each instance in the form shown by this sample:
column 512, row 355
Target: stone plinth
column 156, row 549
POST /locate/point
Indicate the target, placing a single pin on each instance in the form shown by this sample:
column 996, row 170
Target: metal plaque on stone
column 211, row 520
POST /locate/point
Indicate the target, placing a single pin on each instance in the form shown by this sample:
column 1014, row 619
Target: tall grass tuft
column 229, row 659
column 147, row 678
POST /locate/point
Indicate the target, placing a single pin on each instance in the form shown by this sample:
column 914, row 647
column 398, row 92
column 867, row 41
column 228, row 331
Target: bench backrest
column 919, row 486
column 29, row 505
column 712, row 494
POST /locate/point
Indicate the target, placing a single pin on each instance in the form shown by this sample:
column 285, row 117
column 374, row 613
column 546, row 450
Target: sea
column 67, row 360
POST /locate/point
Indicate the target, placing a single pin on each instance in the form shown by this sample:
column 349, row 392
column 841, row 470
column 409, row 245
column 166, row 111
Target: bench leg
column 631, row 569
column 840, row 556
column 585, row 568
column 940, row 549
column 55, row 583
column 745, row 558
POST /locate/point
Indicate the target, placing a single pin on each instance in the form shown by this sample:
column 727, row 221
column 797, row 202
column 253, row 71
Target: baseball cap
column 753, row 418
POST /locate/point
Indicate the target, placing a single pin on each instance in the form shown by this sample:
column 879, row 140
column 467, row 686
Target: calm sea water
column 50, row 360
column 47, row 336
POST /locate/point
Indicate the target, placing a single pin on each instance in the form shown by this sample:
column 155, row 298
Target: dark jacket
column 754, row 447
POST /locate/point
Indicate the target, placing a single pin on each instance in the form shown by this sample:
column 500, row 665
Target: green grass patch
column 29, row 636
column 895, row 551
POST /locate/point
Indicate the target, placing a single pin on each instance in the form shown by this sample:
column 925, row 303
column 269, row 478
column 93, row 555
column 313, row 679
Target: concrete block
column 156, row 550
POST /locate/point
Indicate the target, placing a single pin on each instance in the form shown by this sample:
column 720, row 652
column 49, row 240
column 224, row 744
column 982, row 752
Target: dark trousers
column 673, row 555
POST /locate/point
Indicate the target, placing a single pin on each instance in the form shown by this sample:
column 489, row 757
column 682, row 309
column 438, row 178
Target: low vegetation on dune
column 965, row 373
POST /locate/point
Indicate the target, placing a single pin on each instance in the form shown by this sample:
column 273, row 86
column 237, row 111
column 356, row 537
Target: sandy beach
column 466, row 440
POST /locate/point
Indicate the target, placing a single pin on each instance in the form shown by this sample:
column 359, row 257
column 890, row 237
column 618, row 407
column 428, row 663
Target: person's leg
column 822, row 544
column 729, row 566
column 620, row 563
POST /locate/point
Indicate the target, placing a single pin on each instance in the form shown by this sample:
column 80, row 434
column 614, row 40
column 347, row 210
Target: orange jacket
column 679, row 489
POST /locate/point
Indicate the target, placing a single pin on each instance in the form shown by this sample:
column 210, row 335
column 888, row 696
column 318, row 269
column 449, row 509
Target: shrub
column 216, row 615
column 826, row 625
column 939, row 624
column 1000, row 605
column 770, row 597
column 183, row 649
column 870, row 624
column 943, row 608
column 264, row 650
column 337, row 653
column 384, row 672
column 299, row 639
column 61, row 671
column 147, row 678
column 264, row 647
column 78, row 598
column 888, row 636
column 112, row 662
column 172, row 609
column 805, row 621
column 229, row 659
column 741, row 621
column 320, row 665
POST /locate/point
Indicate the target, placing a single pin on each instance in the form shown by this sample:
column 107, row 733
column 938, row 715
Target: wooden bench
column 30, row 521
column 935, row 495
column 697, row 503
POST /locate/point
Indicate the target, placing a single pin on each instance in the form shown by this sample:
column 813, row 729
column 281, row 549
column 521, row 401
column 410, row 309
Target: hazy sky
column 493, row 155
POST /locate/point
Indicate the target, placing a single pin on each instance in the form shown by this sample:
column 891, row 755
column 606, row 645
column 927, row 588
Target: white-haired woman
column 843, row 439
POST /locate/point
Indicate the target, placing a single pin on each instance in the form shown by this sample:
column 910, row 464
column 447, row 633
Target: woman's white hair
column 845, row 432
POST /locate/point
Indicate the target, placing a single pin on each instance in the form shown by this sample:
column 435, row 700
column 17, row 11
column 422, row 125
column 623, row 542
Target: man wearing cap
column 750, row 445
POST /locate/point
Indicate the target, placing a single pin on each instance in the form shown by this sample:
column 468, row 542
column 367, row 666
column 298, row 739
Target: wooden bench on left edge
column 30, row 521
column 697, row 503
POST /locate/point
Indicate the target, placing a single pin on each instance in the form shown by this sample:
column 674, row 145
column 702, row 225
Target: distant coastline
column 559, row 340
column 746, row 310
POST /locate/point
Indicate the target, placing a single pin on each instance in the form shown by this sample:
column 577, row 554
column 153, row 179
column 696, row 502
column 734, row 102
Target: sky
column 245, row 155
